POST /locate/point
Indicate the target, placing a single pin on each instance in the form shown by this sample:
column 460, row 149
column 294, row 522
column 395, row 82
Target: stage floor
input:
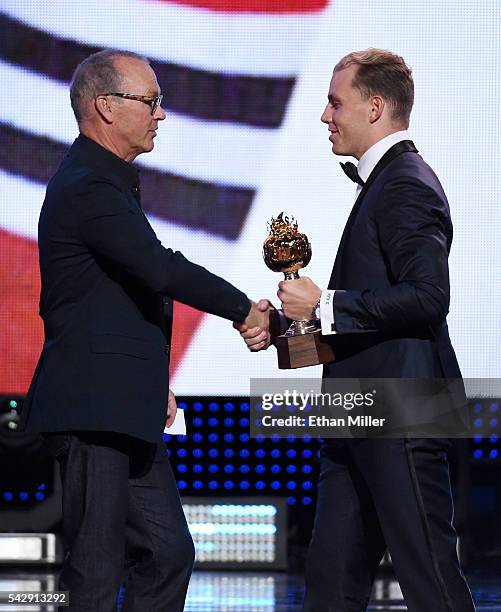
column 280, row 592
column 260, row 592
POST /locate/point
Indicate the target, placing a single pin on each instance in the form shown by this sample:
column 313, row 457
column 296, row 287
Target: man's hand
column 255, row 330
column 171, row 409
column 298, row 298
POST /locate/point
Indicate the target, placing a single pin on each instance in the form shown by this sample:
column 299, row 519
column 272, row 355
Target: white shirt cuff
column 327, row 312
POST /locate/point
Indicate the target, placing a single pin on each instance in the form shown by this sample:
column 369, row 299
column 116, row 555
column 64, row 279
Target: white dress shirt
column 366, row 165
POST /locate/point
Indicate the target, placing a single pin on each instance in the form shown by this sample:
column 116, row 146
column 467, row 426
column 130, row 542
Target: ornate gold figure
column 286, row 249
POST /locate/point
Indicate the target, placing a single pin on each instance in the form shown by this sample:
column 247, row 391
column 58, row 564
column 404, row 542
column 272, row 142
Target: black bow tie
column 351, row 172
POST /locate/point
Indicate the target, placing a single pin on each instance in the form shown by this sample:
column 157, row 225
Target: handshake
column 298, row 299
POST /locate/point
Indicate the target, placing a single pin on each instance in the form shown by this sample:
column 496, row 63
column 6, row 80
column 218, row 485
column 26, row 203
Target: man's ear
column 376, row 108
column 104, row 108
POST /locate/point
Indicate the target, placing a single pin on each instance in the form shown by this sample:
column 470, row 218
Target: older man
column 100, row 390
column 384, row 311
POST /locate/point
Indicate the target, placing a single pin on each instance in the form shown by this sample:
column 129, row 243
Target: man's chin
column 337, row 150
column 144, row 149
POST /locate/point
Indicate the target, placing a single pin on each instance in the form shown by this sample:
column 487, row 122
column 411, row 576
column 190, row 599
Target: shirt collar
column 370, row 158
column 106, row 161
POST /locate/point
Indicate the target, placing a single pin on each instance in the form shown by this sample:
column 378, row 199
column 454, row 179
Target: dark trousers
column 121, row 509
column 379, row 494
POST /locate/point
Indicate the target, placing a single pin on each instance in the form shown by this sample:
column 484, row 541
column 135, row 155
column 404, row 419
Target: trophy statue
column 287, row 250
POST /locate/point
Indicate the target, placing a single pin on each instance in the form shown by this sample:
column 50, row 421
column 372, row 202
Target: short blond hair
column 385, row 74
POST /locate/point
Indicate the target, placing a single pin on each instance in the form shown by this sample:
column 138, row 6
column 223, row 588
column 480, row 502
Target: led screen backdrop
column 244, row 84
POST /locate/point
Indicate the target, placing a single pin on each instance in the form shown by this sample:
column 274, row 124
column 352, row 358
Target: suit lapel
column 404, row 146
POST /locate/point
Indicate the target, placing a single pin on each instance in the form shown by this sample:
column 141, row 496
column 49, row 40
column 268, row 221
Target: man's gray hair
column 97, row 75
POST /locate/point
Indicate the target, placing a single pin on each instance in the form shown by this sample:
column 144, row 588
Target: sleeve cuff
column 327, row 312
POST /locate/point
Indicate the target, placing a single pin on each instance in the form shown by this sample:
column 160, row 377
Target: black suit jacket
column 392, row 279
column 106, row 302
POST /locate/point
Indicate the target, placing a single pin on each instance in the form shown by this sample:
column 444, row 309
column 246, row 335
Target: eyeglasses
column 152, row 101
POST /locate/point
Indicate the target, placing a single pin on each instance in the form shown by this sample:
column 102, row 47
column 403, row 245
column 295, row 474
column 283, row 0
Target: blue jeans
column 122, row 517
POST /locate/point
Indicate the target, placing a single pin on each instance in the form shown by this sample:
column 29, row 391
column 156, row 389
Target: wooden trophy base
column 302, row 350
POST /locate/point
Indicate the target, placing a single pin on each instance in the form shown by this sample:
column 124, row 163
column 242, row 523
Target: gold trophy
column 287, row 250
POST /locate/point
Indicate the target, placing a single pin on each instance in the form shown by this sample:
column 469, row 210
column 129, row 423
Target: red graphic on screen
column 256, row 6
column 21, row 338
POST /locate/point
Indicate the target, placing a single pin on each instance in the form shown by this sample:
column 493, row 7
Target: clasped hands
column 298, row 298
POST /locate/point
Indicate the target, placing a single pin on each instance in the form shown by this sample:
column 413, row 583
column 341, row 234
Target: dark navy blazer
column 106, row 302
column 392, row 278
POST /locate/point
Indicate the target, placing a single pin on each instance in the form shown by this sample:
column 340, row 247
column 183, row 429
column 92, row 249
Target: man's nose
column 160, row 114
column 326, row 115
